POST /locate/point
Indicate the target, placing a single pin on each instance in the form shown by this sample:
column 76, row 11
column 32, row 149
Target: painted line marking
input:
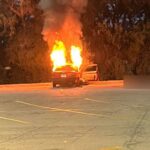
column 97, row 101
column 112, row 148
column 14, row 120
column 2, row 111
column 62, row 110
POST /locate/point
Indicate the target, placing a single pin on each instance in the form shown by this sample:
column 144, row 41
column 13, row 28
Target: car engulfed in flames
column 66, row 69
column 66, row 75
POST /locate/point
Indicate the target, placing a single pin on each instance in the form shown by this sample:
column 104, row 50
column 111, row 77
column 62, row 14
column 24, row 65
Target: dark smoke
column 62, row 20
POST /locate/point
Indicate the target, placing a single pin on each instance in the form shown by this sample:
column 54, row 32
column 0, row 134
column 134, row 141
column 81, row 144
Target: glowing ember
column 76, row 56
column 59, row 55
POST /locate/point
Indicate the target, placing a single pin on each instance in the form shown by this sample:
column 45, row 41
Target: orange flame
column 76, row 56
column 59, row 55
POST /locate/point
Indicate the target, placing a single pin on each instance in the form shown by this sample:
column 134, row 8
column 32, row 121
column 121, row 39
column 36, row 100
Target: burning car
column 66, row 75
column 65, row 68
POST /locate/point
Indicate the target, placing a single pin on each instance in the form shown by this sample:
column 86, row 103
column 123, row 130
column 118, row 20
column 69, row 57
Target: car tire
column 96, row 78
column 54, row 84
column 78, row 82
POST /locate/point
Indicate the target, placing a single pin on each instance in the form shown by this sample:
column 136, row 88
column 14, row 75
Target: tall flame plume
column 59, row 55
column 76, row 56
column 63, row 17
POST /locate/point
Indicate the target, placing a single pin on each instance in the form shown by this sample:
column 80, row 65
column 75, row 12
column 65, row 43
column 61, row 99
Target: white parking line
column 97, row 101
column 62, row 110
column 113, row 148
column 14, row 120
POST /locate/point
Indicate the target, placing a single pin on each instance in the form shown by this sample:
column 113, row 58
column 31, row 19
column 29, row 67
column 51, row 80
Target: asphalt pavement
column 98, row 116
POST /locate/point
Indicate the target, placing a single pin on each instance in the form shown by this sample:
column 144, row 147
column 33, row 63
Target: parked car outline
column 91, row 73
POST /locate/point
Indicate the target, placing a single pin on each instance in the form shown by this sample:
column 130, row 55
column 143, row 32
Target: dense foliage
column 116, row 31
column 24, row 56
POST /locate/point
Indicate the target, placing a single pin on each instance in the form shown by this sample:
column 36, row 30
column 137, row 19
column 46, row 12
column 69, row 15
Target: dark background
column 116, row 32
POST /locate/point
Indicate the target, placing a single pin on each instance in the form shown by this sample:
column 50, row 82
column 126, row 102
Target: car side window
column 91, row 68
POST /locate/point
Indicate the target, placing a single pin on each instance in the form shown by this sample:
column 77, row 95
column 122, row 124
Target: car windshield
column 67, row 68
column 91, row 68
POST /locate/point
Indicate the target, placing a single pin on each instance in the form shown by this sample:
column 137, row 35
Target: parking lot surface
column 99, row 116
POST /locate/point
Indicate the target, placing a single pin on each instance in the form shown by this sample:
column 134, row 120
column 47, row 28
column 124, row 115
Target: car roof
column 67, row 67
column 92, row 65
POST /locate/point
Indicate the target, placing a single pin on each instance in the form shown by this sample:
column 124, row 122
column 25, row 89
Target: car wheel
column 54, row 84
column 96, row 78
column 78, row 82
